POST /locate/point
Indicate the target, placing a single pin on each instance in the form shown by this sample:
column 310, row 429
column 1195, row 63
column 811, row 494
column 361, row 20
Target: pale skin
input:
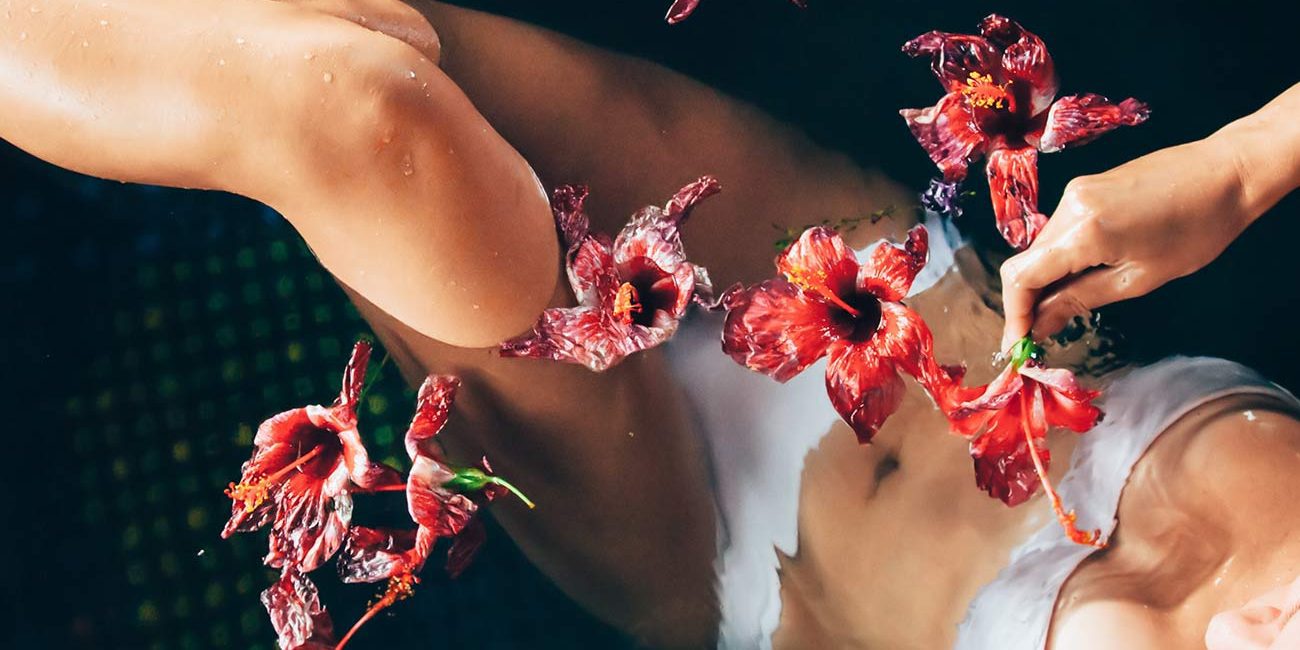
column 1125, row 232
column 311, row 107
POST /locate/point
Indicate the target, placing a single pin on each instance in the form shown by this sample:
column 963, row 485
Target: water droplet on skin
column 85, row 43
column 476, row 307
column 103, row 23
column 22, row 36
column 408, row 167
column 221, row 62
column 308, row 56
column 410, row 74
column 34, row 9
column 1250, row 416
column 328, row 77
column 239, row 40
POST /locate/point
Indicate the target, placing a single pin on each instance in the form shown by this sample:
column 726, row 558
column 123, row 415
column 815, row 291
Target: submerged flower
column 443, row 501
column 631, row 291
column 305, row 463
column 1000, row 90
column 299, row 619
column 827, row 304
column 682, row 9
column 943, row 197
column 1007, row 423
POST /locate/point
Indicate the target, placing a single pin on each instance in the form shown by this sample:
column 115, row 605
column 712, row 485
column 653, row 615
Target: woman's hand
column 1123, row 233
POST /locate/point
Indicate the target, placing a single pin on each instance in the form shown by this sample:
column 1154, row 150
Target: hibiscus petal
column 864, row 388
column 1013, row 186
column 591, row 270
column 1080, row 119
column 375, row 554
column 309, row 527
column 821, row 254
column 1024, row 60
column 296, row 612
column 1067, row 403
column 680, row 10
column 287, row 427
column 948, row 133
column 953, row 57
column 354, row 377
column 586, row 336
column 773, row 328
column 465, row 547
column 432, row 408
column 889, row 272
column 1003, row 466
column 430, row 504
column 655, row 232
column 568, row 203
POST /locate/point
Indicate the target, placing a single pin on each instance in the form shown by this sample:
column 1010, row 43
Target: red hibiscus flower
column 631, row 292
column 1007, row 423
column 682, row 9
column 296, row 613
column 826, row 304
column 304, row 464
column 1001, row 86
column 443, row 501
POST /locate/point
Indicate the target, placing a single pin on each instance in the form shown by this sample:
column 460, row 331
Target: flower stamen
column 1068, row 519
column 815, row 282
column 981, row 92
column 253, row 492
column 626, row 302
column 400, row 587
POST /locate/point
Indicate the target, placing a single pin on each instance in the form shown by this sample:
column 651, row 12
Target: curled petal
column 591, row 270
column 372, row 555
column 568, row 203
column 1025, row 61
column 891, row 269
column 433, row 506
column 821, row 255
column 1079, row 119
column 655, row 232
column 584, row 335
column 949, row 134
column 680, row 10
column 1066, row 403
column 1013, row 186
column 953, row 57
column 354, row 378
column 309, row 527
column 465, row 547
column 1003, row 465
column 864, row 388
column 296, row 612
column 773, row 328
column 265, row 461
column 432, row 408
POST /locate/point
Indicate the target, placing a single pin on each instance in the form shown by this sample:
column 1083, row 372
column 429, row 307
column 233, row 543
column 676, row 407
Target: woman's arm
column 1125, row 232
column 400, row 187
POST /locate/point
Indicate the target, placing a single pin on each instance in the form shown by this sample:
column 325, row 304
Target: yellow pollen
column 981, row 92
column 626, row 302
column 815, row 282
column 252, row 493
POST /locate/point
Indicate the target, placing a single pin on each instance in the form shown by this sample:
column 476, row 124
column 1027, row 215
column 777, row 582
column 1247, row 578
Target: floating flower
column 1007, row 423
column 296, row 613
column 1000, row 91
column 443, row 501
column 682, row 9
column 305, row 463
column 826, row 304
column 631, row 292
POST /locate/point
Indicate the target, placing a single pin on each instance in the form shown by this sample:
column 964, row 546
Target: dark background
column 148, row 331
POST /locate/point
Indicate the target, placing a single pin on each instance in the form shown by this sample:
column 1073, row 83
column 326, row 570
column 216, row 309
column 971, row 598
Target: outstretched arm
column 1123, row 233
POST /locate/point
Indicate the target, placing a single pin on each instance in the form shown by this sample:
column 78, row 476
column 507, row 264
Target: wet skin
column 415, row 193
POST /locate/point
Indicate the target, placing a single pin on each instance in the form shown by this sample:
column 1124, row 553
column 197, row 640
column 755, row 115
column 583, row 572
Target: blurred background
column 148, row 331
